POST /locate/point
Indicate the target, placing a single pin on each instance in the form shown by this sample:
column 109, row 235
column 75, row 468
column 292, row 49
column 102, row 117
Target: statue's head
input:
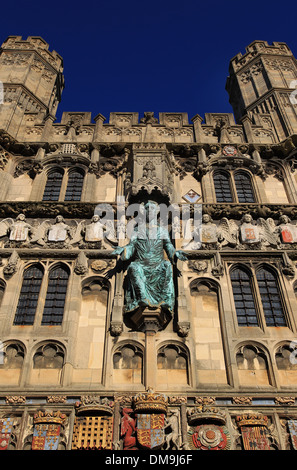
column 247, row 218
column 95, row 218
column 21, row 217
column 206, row 218
column 59, row 219
column 284, row 219
column 152, row 209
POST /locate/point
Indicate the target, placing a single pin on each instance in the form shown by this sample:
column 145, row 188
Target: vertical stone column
column 149, row 321
column 90, row 187
column 150, row 356
column 247, row 125
column 184, row 425
column 98, row 132
column 48, row 127
column 116, row 424
column 116, row 324
column 198, row 131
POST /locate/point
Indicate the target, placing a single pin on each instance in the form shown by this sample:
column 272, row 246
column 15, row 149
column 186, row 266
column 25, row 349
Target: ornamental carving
column 93, row 403
column 207, row 430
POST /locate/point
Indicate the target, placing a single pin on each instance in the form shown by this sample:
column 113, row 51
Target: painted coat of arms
column 249, row 233
column 209, row 234
column 6, row 426
column 150, row 430
column 46, row 437
column 209, row 437
column 288, row 234
column 47, row 430
column 292, row 425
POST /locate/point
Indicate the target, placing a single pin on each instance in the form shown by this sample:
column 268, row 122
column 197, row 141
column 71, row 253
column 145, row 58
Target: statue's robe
column 149, row 280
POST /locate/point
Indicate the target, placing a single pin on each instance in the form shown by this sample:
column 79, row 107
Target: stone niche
column 91, row 330
column 209, row 345
column 151, row 170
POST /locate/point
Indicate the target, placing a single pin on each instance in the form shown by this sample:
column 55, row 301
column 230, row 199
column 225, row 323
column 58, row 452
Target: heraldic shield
column 150, row 430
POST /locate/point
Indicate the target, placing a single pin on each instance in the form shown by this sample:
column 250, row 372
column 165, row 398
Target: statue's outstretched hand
column 181, row 255
column 118, row 250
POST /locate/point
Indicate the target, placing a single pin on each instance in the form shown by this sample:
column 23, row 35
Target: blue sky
column 161, row 56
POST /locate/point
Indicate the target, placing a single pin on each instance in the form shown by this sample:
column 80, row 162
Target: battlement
column 256, row 48
column 35, row 43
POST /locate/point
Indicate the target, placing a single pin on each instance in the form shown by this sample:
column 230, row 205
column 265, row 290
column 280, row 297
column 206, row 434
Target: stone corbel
column 218, row 267
column 287, row 266
column 81, row 264
column 31, row 167
column 12, row 265
column 183, row 328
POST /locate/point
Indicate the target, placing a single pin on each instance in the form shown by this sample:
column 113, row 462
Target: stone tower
column 92, row 358
column 260, row 84
column 32, row 83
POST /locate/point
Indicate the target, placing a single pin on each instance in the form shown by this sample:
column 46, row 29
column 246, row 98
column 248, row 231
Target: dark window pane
column 222, row 188
column 53, row 186
column 55, row 299
column 74, row 186
column 245, row 310
column 29, row 294
column 244, row 188
column 271, row 301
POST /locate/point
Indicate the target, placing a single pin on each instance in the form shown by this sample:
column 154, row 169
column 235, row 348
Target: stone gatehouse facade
column 76, row 371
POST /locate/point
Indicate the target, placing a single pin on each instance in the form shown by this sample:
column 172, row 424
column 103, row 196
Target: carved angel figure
column 209, row 232
column 99, row 231
column 228, row 232
column 248, row 230
column 260, row 233
column 18, row 230
column 285, row 230
column 57, row 232
column 267, row 232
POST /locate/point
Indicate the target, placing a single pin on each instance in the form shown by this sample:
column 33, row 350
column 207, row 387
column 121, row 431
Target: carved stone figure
column 59, row 231
column 94, row 231
column 18, row 230
column 260, row 233
column 209, row 232
column 286, row 230
column 97, row 231
column 172, row 438
column 248, row 231
column 149, row 280
column 228, row 232
column 128, row 430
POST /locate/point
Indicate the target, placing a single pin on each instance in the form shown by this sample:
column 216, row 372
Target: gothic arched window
column 222, row 187
column 74, row 185
column 243, row 297
column 270, row 297
column 53, row 185
column 55, row 298
column 244, row 189
column 28, row 299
